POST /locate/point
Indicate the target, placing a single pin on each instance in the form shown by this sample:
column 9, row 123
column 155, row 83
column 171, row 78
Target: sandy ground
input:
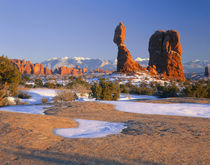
column 148, row 139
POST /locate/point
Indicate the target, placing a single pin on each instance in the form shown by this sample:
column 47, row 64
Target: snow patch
column 32, row 109
column 184, row 109
column 90, row 129
column 136, row 97
column 38, row 93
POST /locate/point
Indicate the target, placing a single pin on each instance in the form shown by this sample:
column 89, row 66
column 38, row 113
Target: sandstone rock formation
column 63, row 70
column 38, row 68
column 152, row 70
column 26, row 67
column 165, row 53
column 125, row 63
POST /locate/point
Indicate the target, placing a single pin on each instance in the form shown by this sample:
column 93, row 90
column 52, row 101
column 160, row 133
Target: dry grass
column 44, row 100
column 64, row 95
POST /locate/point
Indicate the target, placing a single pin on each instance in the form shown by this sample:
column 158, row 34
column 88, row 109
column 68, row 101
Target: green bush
column 52, row 85
column 106, row 90
column 143, row 89
column 9, row 76
column 167, row 91
column 38, row 83
column 200, row 89
column 24, row 78
column 78, row 80
column 23, row 95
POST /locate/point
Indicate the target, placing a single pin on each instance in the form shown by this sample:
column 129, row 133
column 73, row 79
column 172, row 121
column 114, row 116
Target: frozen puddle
column 182, row 109
column 90, row 129
column 32, row 109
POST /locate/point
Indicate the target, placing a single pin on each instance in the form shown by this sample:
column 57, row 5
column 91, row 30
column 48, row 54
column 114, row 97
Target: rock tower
column 166, row 53
column 125, row 63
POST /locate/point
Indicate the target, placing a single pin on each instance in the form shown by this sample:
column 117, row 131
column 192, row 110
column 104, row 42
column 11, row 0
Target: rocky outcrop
column 63, row 70
column 38, row 68
column 152, row 70
column 47, row 71
column 165, row 54
column 26, row 67
column 125, row 63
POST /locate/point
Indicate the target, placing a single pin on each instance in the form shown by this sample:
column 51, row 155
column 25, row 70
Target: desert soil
column 148, row 139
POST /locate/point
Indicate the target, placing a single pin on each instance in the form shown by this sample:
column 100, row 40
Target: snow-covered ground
column 136, row 97
column 90, row 129
column 93, row 128
column 136, row 79
column 182, row 109
column 32, row 109
column 39, row 93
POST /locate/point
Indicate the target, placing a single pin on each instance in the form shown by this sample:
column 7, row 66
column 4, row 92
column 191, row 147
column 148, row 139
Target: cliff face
column 125, row 63
column 165, row 54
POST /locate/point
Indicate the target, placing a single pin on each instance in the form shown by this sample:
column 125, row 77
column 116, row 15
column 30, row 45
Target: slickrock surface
column 148, row 139
column 165, row 53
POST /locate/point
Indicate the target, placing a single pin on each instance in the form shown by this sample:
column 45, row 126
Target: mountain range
column 90, row 63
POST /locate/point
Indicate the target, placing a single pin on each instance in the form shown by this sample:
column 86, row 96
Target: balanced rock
column 165, row 53
column 125, row 63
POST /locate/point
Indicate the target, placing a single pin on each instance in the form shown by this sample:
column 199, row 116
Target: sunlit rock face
column 26, row 67
column 125, row 63
column 165, row 54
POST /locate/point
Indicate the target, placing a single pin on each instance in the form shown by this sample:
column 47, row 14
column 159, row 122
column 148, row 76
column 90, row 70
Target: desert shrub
column 29, row 86
column 78, row 80
column 51, row 85
column 143, row 89
column 9, row 76
column 38, row 83
column 167, row 91
column 80, row 89
column 123, row 88
column 44, row 100
column 23, row 95
column 66, row 95
column 106, row 90
column 200, row 89
column 24, row 78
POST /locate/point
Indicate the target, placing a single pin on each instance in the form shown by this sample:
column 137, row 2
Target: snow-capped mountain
column 195, row 65
column 90, row 63
column 142, row 61
column 83, row 62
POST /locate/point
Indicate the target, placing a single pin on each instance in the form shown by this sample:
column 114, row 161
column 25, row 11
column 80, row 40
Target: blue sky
column 37, row 30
